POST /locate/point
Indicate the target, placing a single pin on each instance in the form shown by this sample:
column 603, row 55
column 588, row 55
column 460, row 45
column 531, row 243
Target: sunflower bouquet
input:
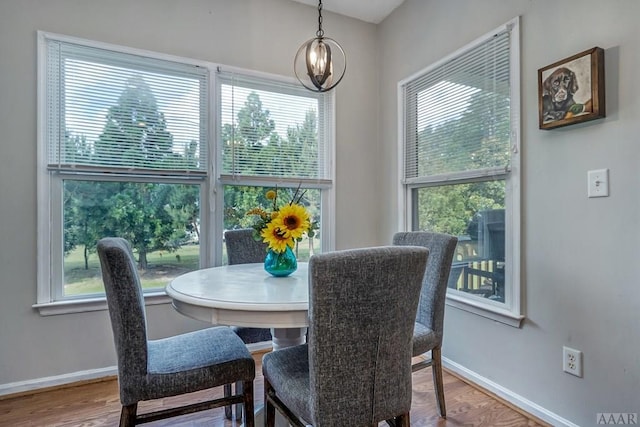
column 282, row 227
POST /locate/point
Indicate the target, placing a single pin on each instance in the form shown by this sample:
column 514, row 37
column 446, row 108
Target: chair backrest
column 434, row 286
column 242, row 248
column 362, row 308
column 126, row 309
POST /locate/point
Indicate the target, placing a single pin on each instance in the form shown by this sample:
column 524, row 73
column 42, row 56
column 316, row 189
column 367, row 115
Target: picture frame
column 571, row 90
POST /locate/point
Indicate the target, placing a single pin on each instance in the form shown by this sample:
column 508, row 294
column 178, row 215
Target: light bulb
column 319, row 65
column 318, row 60
column 315, row 64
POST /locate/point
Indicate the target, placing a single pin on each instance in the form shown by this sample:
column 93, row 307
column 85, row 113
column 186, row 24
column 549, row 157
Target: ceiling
column 373, row 11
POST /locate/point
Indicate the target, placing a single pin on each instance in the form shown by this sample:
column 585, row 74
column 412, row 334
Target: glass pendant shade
column 320, row 64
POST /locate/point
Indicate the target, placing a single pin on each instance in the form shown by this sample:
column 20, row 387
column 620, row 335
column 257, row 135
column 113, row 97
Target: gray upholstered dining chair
column 242, row 248
column 154, row 369
column 428, row 330
column 355, row 369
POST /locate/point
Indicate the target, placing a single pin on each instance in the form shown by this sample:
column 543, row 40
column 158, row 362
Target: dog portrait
column 572, row 90
column 557, row 95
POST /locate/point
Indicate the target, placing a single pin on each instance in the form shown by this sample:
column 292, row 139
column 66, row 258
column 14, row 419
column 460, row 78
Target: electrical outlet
column 572, row 361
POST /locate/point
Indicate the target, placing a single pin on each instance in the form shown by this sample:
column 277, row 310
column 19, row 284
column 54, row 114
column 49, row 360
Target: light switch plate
column 598, row 183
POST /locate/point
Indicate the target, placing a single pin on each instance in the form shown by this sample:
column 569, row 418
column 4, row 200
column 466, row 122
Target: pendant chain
column 320, row 31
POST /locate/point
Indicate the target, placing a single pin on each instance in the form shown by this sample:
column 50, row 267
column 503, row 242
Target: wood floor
column 97, row 404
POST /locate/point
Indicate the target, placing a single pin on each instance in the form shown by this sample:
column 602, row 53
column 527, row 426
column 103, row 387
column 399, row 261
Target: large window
column 274, row 134
column 461, row 165
column 166, row 152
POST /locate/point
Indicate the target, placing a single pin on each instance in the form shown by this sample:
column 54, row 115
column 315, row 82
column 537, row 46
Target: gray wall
column 580, row 256
column 580, row 275
column 257, row 34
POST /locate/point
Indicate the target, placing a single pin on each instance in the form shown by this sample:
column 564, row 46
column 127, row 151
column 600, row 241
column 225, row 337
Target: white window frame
column 509, row 312
column 326, row 186
column 49, row 216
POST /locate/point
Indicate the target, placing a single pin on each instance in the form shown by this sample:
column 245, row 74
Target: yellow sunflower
column 294, row 220
column 275, row 237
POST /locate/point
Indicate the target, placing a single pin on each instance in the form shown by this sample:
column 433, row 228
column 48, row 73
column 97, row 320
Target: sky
column 92, row 88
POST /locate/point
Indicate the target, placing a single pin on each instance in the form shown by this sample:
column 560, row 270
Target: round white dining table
column 246, row 295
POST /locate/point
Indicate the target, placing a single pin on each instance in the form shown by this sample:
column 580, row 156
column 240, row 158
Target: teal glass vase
column 280, row 264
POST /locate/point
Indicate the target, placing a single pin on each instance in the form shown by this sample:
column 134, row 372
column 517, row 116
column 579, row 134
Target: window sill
column 92, row 304
column 481, row 308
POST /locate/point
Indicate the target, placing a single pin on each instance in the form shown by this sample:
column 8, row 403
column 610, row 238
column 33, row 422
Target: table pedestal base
column 287, row 337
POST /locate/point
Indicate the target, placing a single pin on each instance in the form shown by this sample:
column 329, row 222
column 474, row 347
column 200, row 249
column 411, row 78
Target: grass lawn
column 162, row 267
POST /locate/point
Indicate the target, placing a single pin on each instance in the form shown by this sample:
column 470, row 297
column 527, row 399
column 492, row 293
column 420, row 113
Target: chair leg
column 227, row 409
column 269, row 409
column 436, row 367
column 247, row 392
column 403, row 420
column 128, row 415
column 239, row 389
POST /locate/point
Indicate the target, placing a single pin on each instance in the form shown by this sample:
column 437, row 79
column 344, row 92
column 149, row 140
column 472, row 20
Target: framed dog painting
column 572, row 90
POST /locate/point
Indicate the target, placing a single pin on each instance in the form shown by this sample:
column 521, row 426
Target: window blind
column 272, row 129
column 457, row 114
column 124, row 113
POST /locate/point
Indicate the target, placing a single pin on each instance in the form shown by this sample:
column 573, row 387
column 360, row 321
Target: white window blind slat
column 457, row 117
column 271, row 128
column 118, row 111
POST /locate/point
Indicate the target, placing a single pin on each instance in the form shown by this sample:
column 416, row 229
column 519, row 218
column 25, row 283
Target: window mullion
column 487, row 174
column 274, row 180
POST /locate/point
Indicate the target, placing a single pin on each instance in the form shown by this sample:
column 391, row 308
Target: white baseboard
column 73, row 377
column 508, row 395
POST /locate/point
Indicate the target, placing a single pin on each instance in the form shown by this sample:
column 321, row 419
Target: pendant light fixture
column 320, row 62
